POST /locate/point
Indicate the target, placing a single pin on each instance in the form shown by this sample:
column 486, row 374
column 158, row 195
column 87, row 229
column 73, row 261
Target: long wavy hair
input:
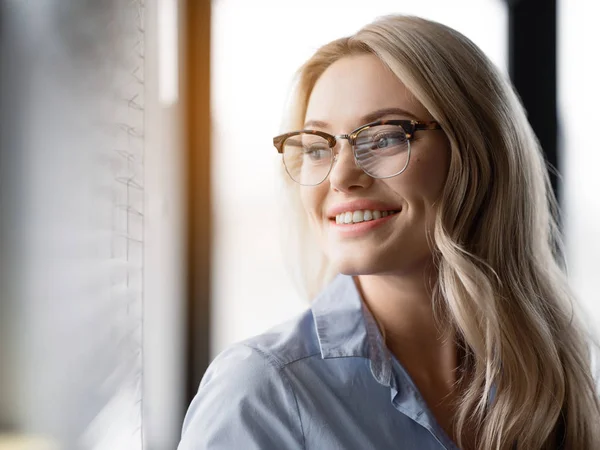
column 501, row 273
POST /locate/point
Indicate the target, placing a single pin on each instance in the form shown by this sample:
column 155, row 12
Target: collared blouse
column 322, row 381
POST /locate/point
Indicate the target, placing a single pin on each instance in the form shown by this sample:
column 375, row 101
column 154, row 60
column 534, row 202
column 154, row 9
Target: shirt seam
column 278, row 366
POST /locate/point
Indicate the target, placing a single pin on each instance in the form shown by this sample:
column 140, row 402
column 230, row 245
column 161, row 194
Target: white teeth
column 357, row 216
column 361, row 216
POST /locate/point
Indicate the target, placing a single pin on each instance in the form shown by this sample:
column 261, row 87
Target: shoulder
column 263, row 357
column 243, row 401
column 288, row 342
column 245, row 394
column 257, row 364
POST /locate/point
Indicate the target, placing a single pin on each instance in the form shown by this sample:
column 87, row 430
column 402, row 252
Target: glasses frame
column 409, row 127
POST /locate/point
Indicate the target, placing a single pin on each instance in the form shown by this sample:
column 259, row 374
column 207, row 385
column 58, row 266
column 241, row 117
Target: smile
column 367, row 215
column 357, row 228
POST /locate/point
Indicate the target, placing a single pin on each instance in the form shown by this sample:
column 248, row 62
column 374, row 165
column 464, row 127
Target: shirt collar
column 345, row 328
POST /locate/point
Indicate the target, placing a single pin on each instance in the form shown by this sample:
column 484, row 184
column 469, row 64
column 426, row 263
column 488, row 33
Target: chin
column 360, row 266
column 381, row 263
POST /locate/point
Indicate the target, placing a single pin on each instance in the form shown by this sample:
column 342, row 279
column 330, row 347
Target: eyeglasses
column 381, row 149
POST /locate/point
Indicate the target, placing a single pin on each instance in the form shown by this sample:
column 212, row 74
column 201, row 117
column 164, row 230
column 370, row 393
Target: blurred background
column 139, row 230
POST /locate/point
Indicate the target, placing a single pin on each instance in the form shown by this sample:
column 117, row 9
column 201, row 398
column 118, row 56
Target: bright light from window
column 168, row 70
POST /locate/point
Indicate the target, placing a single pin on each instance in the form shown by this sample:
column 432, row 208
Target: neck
column 402, row 305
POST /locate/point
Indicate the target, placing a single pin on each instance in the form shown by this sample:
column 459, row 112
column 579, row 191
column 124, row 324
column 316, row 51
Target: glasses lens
column 307, row 158
column 382, row 151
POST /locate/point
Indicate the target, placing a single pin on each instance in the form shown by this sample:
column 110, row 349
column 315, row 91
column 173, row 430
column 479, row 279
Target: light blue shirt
column 323, row 381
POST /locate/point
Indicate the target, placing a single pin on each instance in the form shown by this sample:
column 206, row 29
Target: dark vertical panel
column 532, row 65
column 197, row 79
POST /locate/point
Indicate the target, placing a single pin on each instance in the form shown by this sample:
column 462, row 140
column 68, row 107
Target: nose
column 345, row 174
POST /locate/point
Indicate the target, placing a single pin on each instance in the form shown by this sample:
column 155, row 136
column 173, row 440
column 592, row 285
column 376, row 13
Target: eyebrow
column 371, row 117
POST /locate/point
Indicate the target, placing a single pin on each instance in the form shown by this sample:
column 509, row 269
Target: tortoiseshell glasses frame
column 408, row 126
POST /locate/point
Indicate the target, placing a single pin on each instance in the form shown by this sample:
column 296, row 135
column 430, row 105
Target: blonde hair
column 498, row 250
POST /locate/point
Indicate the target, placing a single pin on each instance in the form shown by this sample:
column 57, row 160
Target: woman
column 444, row 318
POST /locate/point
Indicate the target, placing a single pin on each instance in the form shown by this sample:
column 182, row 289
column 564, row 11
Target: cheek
column 415, row 185
column 312, row 198
column 426, row 175
column 307, row 200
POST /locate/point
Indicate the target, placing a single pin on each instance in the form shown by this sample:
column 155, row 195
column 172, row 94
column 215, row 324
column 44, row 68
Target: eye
column 382, row 142
column 316, row 154
column 381, row 138
column 388, row 139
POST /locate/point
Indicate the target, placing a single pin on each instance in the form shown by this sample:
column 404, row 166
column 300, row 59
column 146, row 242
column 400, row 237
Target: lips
column 362, row 216
column 361, row 205
column 360, row 229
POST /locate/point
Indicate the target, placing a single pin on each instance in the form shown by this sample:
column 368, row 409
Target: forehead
column 355, row 86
